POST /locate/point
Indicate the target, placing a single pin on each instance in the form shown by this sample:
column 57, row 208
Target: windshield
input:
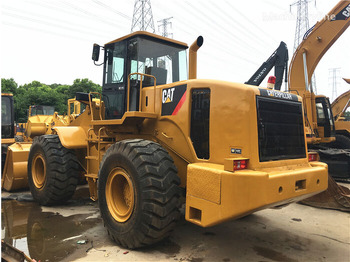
column 5, row 111
column 166, row 62
column 42, row 110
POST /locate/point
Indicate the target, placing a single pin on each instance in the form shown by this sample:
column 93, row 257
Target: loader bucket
column 335, row 197
column 14, row 175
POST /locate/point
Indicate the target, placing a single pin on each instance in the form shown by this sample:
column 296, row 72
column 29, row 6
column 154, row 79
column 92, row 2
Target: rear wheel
column 138, row 193
column 53, row 171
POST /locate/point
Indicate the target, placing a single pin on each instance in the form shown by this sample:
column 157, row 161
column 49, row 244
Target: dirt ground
column 75, row 232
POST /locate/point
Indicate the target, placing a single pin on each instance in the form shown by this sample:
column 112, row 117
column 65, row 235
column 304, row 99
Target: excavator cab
column 324, row 117
column 135, row 62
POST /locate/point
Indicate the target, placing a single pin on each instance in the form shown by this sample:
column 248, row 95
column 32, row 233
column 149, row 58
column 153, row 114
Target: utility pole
column 302, row 26
column 163, row 27
column 334, row 74
column 142, row 18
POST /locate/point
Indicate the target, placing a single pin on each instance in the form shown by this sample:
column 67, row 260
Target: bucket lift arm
column 279, row 60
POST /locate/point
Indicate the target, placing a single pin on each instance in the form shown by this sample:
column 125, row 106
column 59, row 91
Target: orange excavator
column 340, row 110
column 319, row 120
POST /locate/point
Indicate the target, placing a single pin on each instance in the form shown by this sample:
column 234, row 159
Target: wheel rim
column 120, row 194
column 39, row 171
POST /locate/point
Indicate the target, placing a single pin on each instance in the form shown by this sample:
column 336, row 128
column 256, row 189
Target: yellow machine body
column 216, row 191
column 14, row 174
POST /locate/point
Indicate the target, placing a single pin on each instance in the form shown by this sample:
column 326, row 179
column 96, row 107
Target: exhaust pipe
column 192, row 72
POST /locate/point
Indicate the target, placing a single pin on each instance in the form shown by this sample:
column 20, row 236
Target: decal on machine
column 342, row 15
column 278, row 94
column 173, row 99
column 236, row 151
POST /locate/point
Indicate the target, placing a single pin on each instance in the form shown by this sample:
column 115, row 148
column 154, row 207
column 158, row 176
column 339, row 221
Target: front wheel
column 53, row 171
column 138, row 193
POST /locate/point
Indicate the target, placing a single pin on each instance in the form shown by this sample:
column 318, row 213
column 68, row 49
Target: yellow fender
column 72, row 137
column 15, row 169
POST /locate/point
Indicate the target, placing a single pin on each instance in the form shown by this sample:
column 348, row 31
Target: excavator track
column 338, row 161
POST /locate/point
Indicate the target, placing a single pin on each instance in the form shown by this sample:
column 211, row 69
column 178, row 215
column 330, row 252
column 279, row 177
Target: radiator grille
column 280, row 129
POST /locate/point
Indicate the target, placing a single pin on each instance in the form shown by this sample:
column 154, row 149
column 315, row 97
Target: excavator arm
column 279, row 60
column 315, row 44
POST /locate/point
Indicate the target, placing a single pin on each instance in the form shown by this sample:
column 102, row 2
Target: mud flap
column 335, row 197
column 14, row 175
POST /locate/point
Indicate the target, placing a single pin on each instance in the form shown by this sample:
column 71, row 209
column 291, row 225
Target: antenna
column 142, row 18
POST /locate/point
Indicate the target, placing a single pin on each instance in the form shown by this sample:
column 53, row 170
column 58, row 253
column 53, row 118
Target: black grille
column 280, row 129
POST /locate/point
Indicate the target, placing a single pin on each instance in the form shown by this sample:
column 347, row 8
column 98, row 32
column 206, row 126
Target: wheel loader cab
column 130, row 61
column 7, row 116
column 41, row 110
column 324, row 117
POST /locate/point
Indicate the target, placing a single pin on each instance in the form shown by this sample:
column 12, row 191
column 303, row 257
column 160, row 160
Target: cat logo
column 168, row 95
column 172, row 99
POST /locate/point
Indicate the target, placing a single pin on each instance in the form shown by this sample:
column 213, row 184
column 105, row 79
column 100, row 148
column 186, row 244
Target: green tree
column 8, row 86
column 37, row 93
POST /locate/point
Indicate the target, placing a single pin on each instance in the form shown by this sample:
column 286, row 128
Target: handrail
column 140, row 96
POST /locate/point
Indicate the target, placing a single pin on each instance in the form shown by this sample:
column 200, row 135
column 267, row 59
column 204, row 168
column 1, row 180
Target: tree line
column 36, row 93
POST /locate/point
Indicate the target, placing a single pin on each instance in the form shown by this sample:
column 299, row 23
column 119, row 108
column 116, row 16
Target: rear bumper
column 214, row 195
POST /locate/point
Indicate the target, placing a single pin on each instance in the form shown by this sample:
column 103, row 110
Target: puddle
column 44, row 236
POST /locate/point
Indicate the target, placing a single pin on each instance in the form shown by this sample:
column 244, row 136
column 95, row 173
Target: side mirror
column 96, row 52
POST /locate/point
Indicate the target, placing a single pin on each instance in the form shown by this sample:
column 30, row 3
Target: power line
column 164, row 27
column 142, row 18
column 334, row 74
column 302, row 27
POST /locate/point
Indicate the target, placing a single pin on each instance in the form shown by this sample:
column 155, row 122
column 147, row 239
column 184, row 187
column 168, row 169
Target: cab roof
column 149, row 35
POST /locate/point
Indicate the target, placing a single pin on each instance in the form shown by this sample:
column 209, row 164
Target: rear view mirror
column 96, row 52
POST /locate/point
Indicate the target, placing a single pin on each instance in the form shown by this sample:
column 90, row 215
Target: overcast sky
column 51, row 40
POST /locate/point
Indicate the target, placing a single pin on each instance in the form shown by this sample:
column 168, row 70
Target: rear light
column 240, row 164
column 313, row 156
column 233, row 164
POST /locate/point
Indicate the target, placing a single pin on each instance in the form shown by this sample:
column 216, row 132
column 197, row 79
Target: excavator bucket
column 335, row 197
column 15, row 170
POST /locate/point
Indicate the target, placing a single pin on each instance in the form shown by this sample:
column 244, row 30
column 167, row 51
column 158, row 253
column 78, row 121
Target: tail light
column 240, row 164
column 233, row 164
column 313, row 156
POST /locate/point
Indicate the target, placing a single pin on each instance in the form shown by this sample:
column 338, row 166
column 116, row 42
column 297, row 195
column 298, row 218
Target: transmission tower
column 333, row 78
column 142, row 18
column 163, row 27
column 302, row 26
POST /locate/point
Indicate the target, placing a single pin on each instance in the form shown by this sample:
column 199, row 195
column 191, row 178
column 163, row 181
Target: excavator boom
column 316, row 43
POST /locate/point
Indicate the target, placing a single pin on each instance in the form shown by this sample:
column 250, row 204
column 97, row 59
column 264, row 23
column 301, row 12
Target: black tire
column 153, row 188
column 341, row 141
column 53, row 171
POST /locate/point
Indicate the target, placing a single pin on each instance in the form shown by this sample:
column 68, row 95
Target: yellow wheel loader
column 15, row 153
column 158, row 133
